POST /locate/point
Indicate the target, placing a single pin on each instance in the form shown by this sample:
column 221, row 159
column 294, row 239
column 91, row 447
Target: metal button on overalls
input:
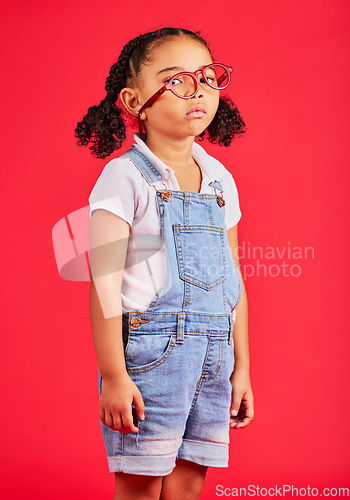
column 135, row 321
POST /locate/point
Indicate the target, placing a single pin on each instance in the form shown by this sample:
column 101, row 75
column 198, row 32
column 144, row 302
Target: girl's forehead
column 180, row 53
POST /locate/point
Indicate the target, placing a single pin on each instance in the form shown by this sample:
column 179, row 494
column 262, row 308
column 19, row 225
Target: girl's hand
column 116, row 398
column 242, row 406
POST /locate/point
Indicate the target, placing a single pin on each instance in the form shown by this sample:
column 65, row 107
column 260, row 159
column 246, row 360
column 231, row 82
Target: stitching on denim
column 164, row 332
column 142, row 170
column 239, row 283
column 205, row 286
column 118, row 457
column 186, row 206
column 180, row 328
column 218, row 366
column 130, row 154
column 210, row 443
column 211, row 217
column 200, row 381
column 187, row 286
column 224, row 294
column 138, row 433
column 140, row 167
column 151, row 366
column 223, row 250
column 187, row 297
column 119, row 462
column 178, row 250
column 191, row 194
column 165, row 313
column 190, row 227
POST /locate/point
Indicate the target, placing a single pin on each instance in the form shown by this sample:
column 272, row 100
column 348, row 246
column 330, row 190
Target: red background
column 291, row 83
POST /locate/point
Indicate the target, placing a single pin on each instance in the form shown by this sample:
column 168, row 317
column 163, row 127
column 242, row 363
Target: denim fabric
column 179, row 352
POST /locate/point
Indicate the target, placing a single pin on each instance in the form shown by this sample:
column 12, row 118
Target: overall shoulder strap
column 146, row 168
column 216, row 184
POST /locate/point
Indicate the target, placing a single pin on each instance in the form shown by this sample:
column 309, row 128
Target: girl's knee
column 186, row 491
column 186, row 482
column 138, row 487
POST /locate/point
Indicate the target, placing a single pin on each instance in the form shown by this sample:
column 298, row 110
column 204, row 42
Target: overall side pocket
column 144, row 352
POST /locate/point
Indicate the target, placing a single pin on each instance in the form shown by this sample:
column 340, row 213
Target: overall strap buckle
column 219, row 197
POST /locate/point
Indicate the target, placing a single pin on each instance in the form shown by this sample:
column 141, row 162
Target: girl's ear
column 130, row 100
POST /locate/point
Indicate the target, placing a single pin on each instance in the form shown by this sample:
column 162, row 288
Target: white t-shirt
column 121, row 189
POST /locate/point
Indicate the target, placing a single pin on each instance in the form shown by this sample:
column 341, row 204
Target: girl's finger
column 102, row 416
column 108, row 420
column 117, row 422
column 244, row 422
column 127, row 421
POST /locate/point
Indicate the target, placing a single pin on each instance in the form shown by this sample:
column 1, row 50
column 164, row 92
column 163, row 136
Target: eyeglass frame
column 193, row 75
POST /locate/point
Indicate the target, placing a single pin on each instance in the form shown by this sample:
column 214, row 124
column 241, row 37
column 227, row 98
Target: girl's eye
column 173, row 79
column 211, row 80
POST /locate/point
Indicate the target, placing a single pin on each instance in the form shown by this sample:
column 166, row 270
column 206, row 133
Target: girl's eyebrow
column 173, row 68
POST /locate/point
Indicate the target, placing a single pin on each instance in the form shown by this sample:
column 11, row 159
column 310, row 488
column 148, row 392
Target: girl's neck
column 174, row 153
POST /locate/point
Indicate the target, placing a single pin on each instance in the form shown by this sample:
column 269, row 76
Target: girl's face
column 168, row 115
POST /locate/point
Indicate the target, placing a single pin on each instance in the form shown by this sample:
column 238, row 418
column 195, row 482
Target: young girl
column 169, row 309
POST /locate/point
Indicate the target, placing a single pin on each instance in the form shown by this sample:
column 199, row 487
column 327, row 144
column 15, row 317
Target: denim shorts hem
column 204, row 453
column 146, row 465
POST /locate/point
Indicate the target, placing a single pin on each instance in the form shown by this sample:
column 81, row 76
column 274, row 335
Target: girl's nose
column 199, row 93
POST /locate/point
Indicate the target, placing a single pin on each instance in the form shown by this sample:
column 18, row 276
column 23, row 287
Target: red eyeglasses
column 185, row 85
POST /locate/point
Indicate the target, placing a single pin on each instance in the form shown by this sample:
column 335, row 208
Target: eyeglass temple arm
column 149, row 103
column 152, row 99
column 222, row 77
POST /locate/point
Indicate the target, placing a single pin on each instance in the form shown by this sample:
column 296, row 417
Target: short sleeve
column 115, row 190
column 232, row 206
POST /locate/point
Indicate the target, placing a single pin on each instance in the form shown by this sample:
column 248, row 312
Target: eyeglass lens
column 184, row 85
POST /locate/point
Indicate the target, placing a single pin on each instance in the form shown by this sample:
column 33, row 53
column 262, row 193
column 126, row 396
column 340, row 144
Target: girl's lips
column 196, row 111
column 195, row 114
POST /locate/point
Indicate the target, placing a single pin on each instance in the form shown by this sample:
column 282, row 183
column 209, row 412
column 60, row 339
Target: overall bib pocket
column 200, row 252
column 144, row 352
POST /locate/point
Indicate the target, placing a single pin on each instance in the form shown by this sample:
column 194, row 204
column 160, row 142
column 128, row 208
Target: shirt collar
column 199, row 153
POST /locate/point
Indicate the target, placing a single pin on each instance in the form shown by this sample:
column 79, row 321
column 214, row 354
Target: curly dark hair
column 104, row 126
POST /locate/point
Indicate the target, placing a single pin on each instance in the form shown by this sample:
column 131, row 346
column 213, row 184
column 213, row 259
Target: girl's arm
column 109, row 238
column 242, row 407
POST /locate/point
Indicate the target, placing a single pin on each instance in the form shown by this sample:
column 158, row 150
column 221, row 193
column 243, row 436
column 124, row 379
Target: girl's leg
column 137, row 487
column 185, row 482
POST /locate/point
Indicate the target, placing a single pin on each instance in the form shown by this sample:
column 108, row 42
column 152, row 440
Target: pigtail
column 103, row 125
column 226, row 124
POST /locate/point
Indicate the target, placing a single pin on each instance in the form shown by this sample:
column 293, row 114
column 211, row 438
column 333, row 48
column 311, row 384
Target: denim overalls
column 179, row 352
